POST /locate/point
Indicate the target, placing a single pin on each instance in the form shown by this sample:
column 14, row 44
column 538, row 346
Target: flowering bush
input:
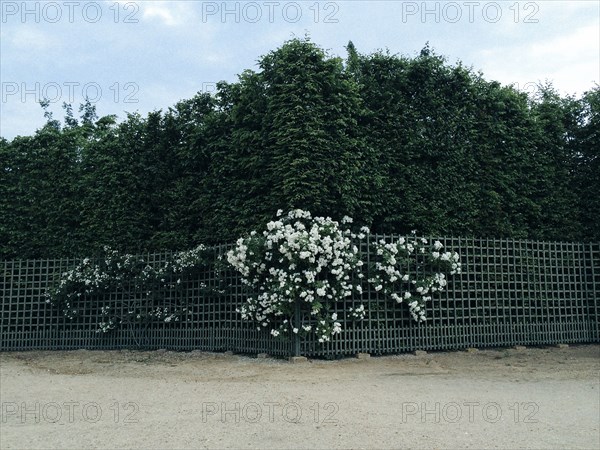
column 298, row 257
column 316, row 262
column 84, row 288
column 395, row 260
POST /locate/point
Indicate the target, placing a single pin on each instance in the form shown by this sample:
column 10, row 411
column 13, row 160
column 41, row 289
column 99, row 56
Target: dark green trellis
column 510, row 292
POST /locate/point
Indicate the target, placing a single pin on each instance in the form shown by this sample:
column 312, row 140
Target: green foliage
column 586, row 154
column 399, row 143
column 39, row 194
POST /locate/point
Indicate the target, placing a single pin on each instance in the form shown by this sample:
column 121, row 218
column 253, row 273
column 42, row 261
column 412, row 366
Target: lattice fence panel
column 510, row 292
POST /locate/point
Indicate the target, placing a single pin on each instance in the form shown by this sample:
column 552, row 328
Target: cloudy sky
column 147, row 55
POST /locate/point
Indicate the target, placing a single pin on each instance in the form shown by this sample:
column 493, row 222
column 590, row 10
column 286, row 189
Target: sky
column 141, row 56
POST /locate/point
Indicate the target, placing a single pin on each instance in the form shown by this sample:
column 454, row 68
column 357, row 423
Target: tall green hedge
column 398, row 143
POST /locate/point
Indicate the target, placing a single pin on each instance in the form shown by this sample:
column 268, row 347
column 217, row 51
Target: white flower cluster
column 108, row 323
column 166, row 314
column 111, row 321
column 89, row 279
column 105, row 327
column 183, row 261
column 357, row 313
column 85, row 279
column 297, row 257
column 453, row 259
column 397, row 259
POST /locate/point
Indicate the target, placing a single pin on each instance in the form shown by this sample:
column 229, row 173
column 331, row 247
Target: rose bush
column 298, row 257
column 411, row 270
column 154, row 294
column 318, row 262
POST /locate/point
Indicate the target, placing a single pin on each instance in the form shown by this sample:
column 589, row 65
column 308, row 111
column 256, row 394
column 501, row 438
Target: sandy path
column 537, row 398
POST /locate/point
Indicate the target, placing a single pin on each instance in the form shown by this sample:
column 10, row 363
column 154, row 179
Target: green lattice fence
column 510, row 292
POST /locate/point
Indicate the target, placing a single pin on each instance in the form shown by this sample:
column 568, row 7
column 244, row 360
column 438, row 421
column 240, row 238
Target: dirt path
column 534, row 398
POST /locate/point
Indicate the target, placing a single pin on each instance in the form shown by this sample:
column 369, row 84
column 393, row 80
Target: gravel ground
column 532, row 398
